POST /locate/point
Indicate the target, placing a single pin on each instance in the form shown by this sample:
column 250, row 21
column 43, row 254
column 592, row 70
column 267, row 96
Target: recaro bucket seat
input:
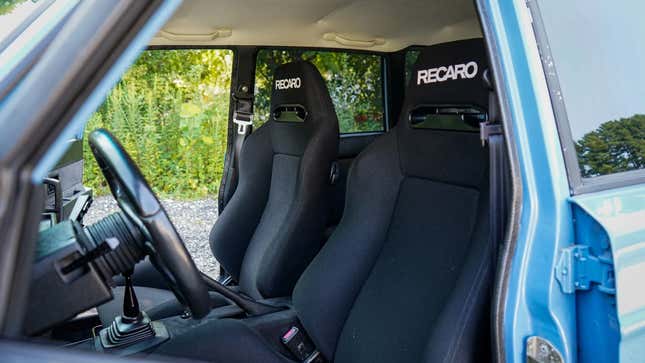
column 274, row 223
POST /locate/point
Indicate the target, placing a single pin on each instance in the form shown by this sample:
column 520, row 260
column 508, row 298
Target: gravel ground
column 193, row 220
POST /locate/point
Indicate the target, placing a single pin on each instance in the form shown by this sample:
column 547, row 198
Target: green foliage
column 353, row 79
column 7, row 6
column 615, row 146
column 411, row 57
column 170, row 112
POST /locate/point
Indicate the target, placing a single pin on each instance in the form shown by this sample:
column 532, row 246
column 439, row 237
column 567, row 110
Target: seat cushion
column 157, row 303
column 222, row 340
column 416, row 270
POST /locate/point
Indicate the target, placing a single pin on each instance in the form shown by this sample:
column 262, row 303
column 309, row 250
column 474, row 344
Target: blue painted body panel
column 588, row 325
column 598, row 335
column 535, row 304
column 617, row 218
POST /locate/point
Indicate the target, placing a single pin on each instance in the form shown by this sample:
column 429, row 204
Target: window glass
column 170, row 111
column 599, row 55
column 354, row 81
column 410, row 59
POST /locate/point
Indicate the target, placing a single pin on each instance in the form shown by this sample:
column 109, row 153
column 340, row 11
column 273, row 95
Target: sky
column 599, row 52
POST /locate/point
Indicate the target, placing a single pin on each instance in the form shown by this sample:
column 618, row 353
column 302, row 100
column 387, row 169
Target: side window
column 354, row 81
column 170, row 111
column 599, row 55
column 410, row 59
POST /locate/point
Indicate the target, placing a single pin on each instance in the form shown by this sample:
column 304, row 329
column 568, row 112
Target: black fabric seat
column 274, row 223
column 405, row 277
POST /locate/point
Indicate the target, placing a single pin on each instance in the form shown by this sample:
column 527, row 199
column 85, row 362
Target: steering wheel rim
column 139, row 202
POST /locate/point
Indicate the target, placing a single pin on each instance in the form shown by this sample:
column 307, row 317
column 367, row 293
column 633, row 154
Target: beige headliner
column 377, row 25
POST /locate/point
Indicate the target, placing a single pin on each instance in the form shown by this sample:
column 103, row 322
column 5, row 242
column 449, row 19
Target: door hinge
column 578, row 268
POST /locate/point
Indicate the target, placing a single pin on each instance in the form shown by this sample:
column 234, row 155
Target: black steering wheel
column 165, row 247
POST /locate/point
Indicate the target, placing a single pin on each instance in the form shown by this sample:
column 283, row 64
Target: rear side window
column 354, row 81
column 410, row 59
column 599, row 56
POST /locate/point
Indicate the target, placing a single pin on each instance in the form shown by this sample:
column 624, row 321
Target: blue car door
column 573, row 84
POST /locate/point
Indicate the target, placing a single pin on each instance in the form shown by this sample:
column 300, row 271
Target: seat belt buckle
column 301, row 347
column 242, row 124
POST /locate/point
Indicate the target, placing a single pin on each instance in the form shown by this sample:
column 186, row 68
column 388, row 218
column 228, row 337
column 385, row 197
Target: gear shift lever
column 131, row 311
column 133, row 329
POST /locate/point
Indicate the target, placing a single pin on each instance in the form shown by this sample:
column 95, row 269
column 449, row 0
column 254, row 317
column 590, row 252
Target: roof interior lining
column 375, row 25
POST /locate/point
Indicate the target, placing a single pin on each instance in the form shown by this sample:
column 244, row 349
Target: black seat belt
column 243, row 118
column 491, row 133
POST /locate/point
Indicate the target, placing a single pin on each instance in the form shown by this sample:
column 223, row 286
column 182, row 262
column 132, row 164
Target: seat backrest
column 274, row 224
column 404, row 276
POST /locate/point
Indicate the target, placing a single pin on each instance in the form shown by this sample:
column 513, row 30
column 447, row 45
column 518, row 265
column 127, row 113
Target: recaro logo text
column 288, row 83
column 444, row 73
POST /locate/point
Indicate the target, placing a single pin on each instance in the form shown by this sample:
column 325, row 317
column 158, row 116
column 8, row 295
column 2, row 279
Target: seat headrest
column 450, row 73
column 300, row 107
column 445, row 74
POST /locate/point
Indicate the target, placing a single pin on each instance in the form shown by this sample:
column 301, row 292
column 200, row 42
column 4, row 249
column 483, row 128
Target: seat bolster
column 299, row 240
column 230, row 236
column 327, row 289
column 461, row 333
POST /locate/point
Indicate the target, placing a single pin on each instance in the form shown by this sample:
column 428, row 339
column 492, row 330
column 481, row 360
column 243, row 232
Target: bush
column 170, row 112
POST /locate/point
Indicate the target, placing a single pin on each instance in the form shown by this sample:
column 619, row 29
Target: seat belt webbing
column 498, row 184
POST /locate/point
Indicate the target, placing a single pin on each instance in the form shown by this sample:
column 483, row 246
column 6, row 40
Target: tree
column 615, row 146
column 7, row 6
